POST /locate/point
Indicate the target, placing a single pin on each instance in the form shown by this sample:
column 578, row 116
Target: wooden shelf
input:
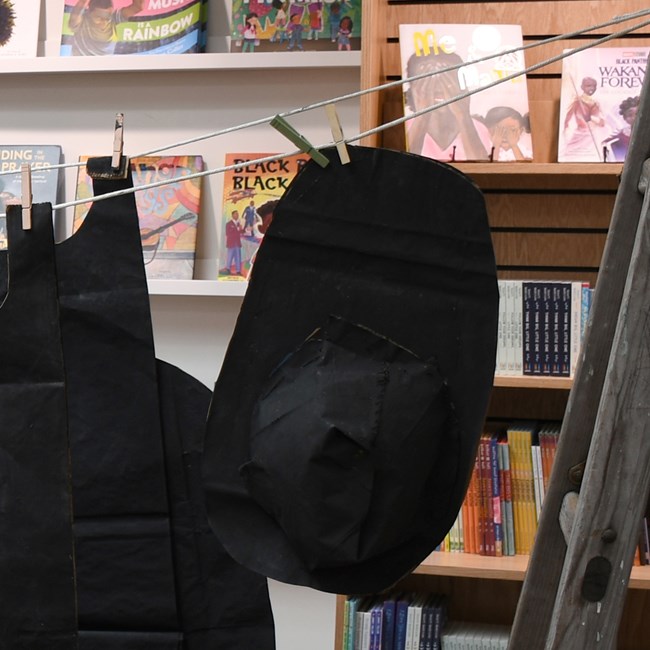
column 467, row 565
column 528, row 381
column 213, row 288
column 175, row 62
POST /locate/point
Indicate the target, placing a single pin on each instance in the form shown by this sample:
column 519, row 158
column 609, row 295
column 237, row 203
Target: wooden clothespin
column 337, row 133
column 281, row 125
column 115, row 166
column 118, row 141
column 26, row 194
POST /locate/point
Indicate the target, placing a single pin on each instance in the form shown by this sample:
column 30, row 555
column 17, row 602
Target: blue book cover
column 388, row 624
column 439, row 621
column 546, row 326
column 401, row 614
column 45, row 181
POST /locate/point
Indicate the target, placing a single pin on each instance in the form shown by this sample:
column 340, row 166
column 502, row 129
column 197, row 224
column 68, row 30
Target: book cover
column 46, row 182
column 250, row 193
column 107, row 27
column 599, row 98
column 168, row 214
column 492, row 124
column 19, row 22
column 295, row 25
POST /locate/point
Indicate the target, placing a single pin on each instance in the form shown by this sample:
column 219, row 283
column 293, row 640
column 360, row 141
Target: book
column 46, row 182
column 133, row 27
column 496, row 120
column 295, row 25
column 19, row 22
column 168, row 215
column 250, row 194
column 599, row 98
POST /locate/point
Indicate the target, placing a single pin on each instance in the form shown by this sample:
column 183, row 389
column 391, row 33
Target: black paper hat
column 346, row 416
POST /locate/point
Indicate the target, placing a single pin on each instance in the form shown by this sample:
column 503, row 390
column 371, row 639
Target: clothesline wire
column 565, row 36
column 392, row 84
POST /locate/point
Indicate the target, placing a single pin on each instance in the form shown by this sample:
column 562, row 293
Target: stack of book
column 394, row 621
column 541, row 326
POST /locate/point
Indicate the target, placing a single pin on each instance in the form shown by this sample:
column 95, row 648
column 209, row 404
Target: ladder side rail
column 533, row 616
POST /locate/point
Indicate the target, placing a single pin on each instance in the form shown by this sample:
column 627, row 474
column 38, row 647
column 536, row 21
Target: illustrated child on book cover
column 507, row 126
column 315, row 19
column 491, row 122
column 93, row 23
column 345, row 31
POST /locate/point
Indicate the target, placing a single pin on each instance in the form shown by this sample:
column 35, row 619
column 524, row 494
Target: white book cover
column 492, row 124
column 600, row 94
column 19, row 22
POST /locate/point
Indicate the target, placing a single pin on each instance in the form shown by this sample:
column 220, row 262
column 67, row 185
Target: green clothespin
column 281, row 125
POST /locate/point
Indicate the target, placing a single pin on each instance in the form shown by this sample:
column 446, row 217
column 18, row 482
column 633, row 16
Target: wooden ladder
column 575, row 586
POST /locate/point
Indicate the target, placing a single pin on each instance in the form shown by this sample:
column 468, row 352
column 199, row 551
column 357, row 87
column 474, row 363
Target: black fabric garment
column 37, row 592
column 223, row 606
column 125, row 575
column 348, row 409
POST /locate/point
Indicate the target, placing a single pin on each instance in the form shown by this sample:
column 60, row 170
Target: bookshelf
column 548, row 221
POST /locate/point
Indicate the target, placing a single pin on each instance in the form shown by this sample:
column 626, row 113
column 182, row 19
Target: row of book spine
column 394, row 621
column 504, row 498
column 506, row 491
column 541, row 326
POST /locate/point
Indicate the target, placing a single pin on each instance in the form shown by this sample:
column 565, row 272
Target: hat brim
column 398, row 244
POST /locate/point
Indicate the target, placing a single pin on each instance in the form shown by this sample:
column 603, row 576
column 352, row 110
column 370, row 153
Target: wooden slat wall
column 550, row 228
column 539, row 21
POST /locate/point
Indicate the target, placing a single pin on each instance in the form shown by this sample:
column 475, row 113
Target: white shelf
column 174, row 62
column 213, row 288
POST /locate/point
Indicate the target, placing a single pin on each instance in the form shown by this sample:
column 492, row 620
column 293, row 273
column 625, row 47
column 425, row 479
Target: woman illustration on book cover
column 449, row 132
column 581, row 120
column 94, row 23
column 618, row 143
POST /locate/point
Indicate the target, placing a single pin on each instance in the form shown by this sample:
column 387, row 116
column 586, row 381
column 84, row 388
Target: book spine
column 565, row 307
column 527, row 311
column 517, row 325
column 507, row 498
column 538, row 333
column 546, row 319
column 576, row 317
column 496, row 497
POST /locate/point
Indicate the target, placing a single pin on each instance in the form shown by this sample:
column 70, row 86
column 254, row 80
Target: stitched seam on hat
column 383, row 383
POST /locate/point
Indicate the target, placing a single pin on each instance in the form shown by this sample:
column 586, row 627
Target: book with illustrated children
column 46, row 182
column 107, row 27
column 250, row 193
column 19, row 21
column 599, row 98
column 168, row 215
column 492, row 123
column 295, row 25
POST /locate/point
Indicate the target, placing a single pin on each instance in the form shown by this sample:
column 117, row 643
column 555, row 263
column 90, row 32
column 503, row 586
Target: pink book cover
column 600, row 94
column 492, row 124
